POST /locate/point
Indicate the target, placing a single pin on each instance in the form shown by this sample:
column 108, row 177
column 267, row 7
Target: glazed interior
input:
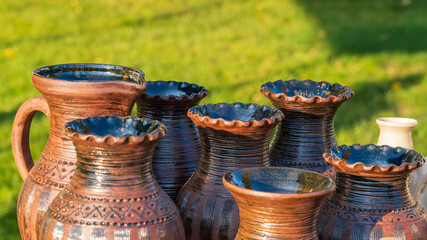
column 371, row 154
column 236, row 111
column 306, row 88
column 115, row 126
column 173, row 89
column 279, row 180
column 91, row 72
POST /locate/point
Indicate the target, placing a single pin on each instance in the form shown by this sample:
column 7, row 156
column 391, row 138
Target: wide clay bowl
column 174, row 91
column 373, row 159
column 114, row 129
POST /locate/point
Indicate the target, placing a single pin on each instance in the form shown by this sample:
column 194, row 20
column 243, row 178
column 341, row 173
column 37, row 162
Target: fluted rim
column 275, row 91
column 194, row 91
column 144, row 129
column 202, row 114
column 340, row 157
column 330, row 185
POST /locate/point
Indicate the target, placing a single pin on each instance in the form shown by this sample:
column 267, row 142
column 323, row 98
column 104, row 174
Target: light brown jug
column 70, row 91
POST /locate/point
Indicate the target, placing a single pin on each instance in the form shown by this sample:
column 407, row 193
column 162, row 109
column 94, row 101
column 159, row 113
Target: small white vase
column 397, row 132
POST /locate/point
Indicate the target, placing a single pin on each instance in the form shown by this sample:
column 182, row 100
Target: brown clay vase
column 70, row 91
column 278, row 202
column 307, row 130
column 177, row 154
column 113, row 193
column 371, row 199
column 233, row 136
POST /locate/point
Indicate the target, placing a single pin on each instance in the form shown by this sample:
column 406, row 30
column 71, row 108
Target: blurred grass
column 231, row 47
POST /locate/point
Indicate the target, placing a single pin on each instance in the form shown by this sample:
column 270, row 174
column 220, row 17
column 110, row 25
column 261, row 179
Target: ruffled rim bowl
column 235, row 114
column 280, row 182
column 372, row 158
column 114, row 129
column 174, row 91
column 306, row 91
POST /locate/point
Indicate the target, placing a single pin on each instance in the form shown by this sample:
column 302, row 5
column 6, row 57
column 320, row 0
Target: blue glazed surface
column 173, row 88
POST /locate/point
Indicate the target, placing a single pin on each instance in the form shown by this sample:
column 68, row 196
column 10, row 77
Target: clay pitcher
column 278, row 202
column 177, row 154
column 113, row 193
column 397, row 132
column 307, row 130
column 371, row 199
column 70, row 91
column 233, row 135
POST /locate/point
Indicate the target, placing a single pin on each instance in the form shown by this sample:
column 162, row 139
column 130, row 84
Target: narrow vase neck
column 172, row 110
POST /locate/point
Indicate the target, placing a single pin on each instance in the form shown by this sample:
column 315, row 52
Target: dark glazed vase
column 113, row 193
column 371, row 199
column 177, row 154
column 278, row 202
column 307, row 130
column 233, row 136
column 70, row 91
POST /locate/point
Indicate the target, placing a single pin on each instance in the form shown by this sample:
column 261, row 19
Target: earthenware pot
column 278, row 202
column 307, row 130
column 177, row 154
column 113, row 193
column 233, row 135
column 371, row 199
column 397, row 132
column 70, row 91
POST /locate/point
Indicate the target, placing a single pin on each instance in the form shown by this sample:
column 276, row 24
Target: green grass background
column 378, row 48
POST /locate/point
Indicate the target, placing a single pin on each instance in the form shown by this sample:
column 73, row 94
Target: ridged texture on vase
column 371, row 199
column 70, row 99
column 177, row 154
column 307, row 130
column 233, row 135
column 278, row 203
column 113, row 193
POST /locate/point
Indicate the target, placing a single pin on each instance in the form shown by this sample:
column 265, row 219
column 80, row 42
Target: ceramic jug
column 233, row 135
column 397, row 132
column 278, row 202
column 113, row 193
column 307, row 130
column 371, row 199
column 177, row 154
column 70, row 91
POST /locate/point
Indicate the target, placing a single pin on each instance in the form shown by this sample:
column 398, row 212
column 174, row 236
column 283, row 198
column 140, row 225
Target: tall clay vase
column 397, row 132
column 233, row 136
column 70, row 91
column 371, row 199
column 278, row 202
column 113, row 193
column 177, row 154
column 307, row 130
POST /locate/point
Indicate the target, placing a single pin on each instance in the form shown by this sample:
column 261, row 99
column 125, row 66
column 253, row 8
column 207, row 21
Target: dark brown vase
column 233, row 136
column 371, row 199
column 177, row 154
column 278, row 202
column 70, row 91
column 307, row 130
column 113, row 193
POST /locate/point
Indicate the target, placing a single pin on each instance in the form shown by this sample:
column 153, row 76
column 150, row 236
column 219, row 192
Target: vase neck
column 153, row 109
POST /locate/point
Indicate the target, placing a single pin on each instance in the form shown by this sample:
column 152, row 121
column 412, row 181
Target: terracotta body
column 113, row 193
column 70, row 91
column 307, row 130
column 177, row 154
column 277, row 202
column 371, row 199
column 233, row 135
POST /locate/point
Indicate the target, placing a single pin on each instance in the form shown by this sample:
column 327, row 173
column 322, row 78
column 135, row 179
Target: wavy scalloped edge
column 376, row 168
column 158, row 133
column 264, row 89
column 193, row 97
column 221, row 122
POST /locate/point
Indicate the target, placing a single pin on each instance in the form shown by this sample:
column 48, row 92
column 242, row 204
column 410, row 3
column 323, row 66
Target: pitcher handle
column 21, row 132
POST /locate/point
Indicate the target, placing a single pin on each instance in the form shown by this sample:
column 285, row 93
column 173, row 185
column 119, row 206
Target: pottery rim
column 273, row 195
column 397, row 122
column 198, row 93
